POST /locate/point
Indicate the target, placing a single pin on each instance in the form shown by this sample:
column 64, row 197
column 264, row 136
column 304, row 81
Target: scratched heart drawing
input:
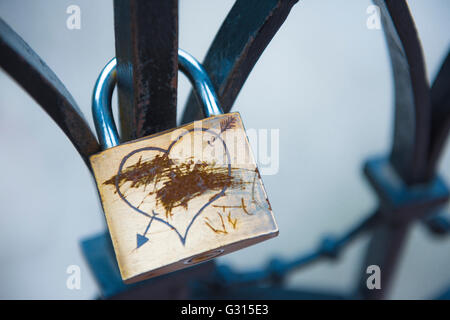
column 176, row 191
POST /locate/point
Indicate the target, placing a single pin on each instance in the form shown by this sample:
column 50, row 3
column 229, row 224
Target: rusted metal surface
column 412, row 97
column 247, row 30
column 41, row 83
column 146, row 34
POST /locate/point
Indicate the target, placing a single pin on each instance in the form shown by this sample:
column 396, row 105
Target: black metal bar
column 41, row 83
column 146, row 34
column 440, row 117
column 247, row 30
column 384, row 251
column 412, row 97
column 400, row 205
column 410, row 146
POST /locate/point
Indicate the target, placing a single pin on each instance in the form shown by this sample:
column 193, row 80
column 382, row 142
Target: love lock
column 182, row 196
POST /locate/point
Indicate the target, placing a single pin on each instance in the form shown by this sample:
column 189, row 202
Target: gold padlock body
column 183, row 196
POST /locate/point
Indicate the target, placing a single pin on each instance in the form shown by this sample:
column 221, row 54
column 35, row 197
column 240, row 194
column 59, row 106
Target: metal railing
column 408, row 187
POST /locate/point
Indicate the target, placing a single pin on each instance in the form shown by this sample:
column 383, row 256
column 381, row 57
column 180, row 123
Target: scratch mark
column 231, row 221
column 222, row 231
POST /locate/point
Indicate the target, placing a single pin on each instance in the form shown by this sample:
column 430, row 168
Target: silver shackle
column 104, row 87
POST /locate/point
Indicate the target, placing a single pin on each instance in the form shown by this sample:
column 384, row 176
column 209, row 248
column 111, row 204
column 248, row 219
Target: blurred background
column 324, row 81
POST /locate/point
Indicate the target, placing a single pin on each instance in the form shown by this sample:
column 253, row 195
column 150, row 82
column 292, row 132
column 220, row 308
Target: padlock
column 183, row 196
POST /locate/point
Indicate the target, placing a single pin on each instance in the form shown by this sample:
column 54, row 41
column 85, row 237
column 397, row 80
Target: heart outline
column 167, row 151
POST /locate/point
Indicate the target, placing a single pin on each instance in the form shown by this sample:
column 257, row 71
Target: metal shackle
column 101, row 100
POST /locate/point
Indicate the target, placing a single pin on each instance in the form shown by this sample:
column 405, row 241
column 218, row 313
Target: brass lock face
column 183, row 196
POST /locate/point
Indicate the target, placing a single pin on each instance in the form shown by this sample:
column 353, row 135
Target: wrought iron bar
column 412, row 97
column 146, row 34
column 42, row 84
column 440, row 117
